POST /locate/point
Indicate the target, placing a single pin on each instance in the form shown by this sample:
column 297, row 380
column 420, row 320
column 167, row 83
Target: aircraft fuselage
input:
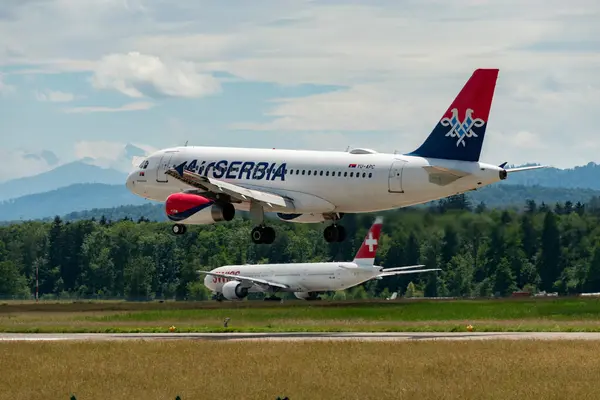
column 317, row 181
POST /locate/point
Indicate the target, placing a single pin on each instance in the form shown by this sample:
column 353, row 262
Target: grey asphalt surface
column 361, row 336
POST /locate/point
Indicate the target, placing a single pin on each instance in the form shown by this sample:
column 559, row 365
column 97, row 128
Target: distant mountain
column 84, row 201
column 78, row 197
column 98, row 162
column 45, row 155
column 62, row 176
column 585, row 176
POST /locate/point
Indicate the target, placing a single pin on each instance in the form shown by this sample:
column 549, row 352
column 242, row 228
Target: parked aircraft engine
column 198, row 210
column 233, row 290
column 307, row 295
column 308, row 218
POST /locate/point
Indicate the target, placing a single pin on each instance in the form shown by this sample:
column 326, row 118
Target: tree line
column 481, row 252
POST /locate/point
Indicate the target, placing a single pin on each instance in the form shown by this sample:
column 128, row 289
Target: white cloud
column 5, row 88
column 136, row 106
column 54, row 96
column 21, row 164
column 110, row 154
column 399, row 63
column 139, row 75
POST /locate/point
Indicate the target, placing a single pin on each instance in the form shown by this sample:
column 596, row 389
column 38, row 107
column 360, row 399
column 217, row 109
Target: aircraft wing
column 236, row 192
column 257, row 281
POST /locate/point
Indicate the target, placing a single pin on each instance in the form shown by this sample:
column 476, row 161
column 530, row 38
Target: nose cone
column 130, row 183
column 209, row 283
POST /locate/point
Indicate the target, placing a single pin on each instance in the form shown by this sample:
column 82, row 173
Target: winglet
column 179, row 168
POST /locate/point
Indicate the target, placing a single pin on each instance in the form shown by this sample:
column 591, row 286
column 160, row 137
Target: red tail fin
column 368, row 248
column 460, row 132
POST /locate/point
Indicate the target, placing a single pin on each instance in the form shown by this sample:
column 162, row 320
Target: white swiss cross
column 371, row 241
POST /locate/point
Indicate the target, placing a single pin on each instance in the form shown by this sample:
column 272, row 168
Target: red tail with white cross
column 366, row 253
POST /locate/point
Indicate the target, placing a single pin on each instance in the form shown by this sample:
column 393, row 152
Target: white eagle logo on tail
column 462, row 129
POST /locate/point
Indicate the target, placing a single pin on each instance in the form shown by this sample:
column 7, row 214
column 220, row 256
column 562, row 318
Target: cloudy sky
column 81, row 78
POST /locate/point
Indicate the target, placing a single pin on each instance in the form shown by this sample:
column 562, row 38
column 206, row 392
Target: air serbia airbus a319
column 206, row 185
column 305, row 280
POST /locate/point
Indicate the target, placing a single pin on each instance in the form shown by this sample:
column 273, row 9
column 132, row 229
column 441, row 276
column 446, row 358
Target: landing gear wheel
column 263, row 235
column 268, row 235
column 178, row 229
column 341, row 234
column 330, row 234
column 257, row 235
column 218, row 297
column 334, row 233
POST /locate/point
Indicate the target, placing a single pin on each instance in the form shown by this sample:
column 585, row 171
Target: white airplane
column 206, row 185
column 306, row 280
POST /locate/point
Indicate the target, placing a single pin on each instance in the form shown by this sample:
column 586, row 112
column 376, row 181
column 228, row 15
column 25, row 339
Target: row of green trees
column 481, row 252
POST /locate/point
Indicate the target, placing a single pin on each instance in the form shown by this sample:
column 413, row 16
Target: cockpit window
column 144, row 164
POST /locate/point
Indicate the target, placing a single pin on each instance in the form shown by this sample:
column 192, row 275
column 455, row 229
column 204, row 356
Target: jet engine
column 307, row 295
column 196, row 209
column 233, row 291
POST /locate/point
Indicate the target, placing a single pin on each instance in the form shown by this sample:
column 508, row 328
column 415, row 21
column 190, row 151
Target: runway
column 358, row 336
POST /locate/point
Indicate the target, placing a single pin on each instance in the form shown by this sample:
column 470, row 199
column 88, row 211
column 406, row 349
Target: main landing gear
column 260, row 234
column 272, row 298
column 178, row 229
column 263, row 234
column 334, row 233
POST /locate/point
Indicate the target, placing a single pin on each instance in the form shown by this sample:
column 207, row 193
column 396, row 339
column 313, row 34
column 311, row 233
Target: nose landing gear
column 178, row 229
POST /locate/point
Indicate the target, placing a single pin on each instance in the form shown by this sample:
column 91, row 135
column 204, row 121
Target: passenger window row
column 329, row 173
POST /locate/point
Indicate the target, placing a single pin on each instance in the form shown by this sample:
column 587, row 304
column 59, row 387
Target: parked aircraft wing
column 220, row 187
column 257, row 281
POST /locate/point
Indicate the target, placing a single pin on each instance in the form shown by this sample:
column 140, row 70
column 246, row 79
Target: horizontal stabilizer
column 521, row 169
column 414, row 271
column 400, row 268
column 443, row 176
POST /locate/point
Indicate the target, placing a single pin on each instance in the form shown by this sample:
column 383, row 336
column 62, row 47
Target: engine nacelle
column 306, row 295
column 233, row 291
column 308, row 218
column 196, row 209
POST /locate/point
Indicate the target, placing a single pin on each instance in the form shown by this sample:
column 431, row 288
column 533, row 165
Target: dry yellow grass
column 300, row 370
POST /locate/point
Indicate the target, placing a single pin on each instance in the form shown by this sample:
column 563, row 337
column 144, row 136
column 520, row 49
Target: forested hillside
column 84, row 201
column 481, row 252
column 496, row 196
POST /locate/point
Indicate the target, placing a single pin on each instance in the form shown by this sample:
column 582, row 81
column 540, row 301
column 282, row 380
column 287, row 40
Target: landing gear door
column 395, row 177
column 163, row 165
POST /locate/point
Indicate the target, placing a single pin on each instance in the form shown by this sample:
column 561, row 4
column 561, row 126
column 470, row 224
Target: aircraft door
column 163, row 166
column 395, row 177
